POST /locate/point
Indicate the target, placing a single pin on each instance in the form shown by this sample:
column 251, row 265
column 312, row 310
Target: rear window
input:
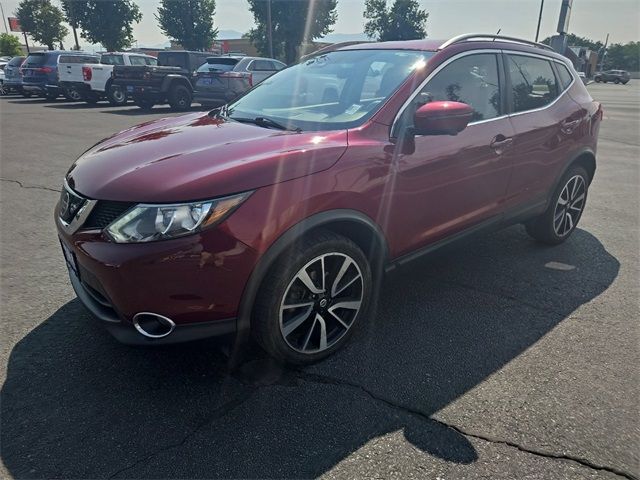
column 112, row 60
column 218, row 65
column 15, row 61
column 78, row 59
column 35, row 60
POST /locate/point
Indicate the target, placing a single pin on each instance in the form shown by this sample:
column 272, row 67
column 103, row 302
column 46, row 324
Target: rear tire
column 321, row 314
column 180, row 98
column 567, row 204
column 144, row 103
column 116, row 95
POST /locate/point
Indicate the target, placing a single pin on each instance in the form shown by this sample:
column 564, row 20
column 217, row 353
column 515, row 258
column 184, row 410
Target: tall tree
column 405, row 20
column 9, row 45
column 577, row 41
column 293, row 22
column 43, row 21
column 626, row 57
column 189, row 22
column 74, row 10
column 109, row 22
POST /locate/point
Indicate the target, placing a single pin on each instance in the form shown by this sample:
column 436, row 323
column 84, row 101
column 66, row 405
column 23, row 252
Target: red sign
column 14, row 24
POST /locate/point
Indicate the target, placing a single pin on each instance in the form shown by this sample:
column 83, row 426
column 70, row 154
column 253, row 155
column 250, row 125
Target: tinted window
column 150, row 61
column 473, row 80
column 112, row 59
column 137, row 60
column 532, row 82
column 262, row 65
column 78, row 59
column 15, row 61
column 222, row 64
column 173, row 59
column 565, row 76
column 279, row 66
column 35, row 60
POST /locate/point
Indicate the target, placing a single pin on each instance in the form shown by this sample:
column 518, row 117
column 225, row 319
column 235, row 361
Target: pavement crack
column 219, row 412
column 22, row 185
column 327, row 380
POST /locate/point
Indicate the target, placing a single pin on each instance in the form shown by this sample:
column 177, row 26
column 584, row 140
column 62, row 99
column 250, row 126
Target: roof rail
column 485, row 36
column 330, row 48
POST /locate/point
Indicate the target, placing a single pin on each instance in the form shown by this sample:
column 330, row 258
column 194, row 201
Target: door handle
column 500, row 142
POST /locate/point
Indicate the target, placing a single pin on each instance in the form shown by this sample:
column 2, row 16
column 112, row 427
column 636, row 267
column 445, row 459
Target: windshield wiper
column 267, row 123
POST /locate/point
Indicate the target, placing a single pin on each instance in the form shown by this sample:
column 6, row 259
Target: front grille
column 105, row 212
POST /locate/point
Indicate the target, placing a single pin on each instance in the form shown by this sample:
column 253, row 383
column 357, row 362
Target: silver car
column 224, row 78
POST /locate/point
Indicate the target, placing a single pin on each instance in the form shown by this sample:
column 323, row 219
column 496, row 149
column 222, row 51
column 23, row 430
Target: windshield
column 333, row 91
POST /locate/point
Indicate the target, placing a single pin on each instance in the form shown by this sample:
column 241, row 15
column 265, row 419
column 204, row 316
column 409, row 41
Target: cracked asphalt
column 496, row 359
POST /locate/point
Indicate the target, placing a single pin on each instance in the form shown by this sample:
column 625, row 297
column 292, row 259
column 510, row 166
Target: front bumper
column 196, row 281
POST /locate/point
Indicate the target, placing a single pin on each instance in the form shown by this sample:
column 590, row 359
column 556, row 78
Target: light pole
column 269, row 29
column 539, row 19
column 4, row 19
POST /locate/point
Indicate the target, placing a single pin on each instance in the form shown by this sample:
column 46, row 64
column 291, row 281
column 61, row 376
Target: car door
column 450, row 183
column 546, row 122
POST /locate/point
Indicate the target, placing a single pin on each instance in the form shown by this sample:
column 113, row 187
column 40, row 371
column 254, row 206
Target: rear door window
column 472, row 79
column 35, row 60
column 262, row 66
column 137, row 60
column 221, row 64
column 533, row 84
column 150, row 61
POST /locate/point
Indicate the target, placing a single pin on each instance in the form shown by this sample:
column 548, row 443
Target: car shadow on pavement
column 76, row 404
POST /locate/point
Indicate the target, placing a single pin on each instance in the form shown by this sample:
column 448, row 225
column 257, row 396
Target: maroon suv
column 279, row 212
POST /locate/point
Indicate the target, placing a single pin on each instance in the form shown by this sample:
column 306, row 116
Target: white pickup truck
column 91, row 82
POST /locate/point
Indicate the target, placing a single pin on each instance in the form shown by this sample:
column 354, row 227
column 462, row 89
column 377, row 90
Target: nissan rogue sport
column 278, row 213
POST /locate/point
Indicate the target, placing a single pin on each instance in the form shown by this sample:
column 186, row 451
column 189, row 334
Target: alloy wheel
column 570, row 205
column 321, row 303
column 118, row 95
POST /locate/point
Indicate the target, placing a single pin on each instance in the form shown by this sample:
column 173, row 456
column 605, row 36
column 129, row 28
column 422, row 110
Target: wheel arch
column 587, row 160
column 352, row 224
column 172, row 80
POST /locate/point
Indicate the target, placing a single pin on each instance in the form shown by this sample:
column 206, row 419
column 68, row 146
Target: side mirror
column 442, row 118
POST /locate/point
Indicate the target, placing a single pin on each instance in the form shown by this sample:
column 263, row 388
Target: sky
column 447, row 18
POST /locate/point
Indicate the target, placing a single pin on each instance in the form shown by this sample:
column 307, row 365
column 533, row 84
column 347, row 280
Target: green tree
column 42, row 21
column 9, row 45
column 109, row 22
column 577, row 41
column 294, row 22
column 405, row 20
column 74, row 10
column 189, row 22
column 625, row 57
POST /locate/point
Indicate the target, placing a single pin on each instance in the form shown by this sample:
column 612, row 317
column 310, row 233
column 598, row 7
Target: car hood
column 196, row 156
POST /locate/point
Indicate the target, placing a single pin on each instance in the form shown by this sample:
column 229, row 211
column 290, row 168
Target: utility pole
column 602, row 54
column 4, row 19
column 269, row 29
column 539, row 19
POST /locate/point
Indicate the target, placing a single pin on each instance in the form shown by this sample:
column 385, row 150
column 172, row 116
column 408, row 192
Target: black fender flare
column 572, row 160
column 172, row 79
column 286, row 240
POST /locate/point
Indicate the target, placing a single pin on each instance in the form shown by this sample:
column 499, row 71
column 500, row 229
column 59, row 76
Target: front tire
column 180, row 98
column 616, row 81
column 561, row 218
column 597, row 79
column 72, row 94
column 312, row 299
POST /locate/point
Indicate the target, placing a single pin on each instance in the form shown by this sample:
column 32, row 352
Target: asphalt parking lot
column 499, row 359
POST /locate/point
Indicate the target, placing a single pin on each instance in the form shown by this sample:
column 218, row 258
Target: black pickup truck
column 171, row 81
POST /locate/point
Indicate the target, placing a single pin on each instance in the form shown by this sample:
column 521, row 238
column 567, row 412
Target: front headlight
column 147, row 223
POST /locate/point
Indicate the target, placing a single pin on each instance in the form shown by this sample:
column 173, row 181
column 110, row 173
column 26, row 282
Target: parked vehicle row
column 175, row 77
column 277, row 214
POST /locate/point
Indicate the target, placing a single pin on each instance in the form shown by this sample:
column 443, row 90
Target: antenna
column 497, row 33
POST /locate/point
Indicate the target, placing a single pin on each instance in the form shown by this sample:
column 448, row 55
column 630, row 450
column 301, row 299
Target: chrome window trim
column 471, row 52
column 80, row 217
column 415, row 93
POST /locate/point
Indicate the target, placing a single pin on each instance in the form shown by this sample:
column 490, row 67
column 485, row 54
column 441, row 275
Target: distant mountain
column 344, row 37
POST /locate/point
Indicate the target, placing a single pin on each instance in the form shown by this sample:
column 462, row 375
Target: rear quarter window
column 78, row 59
column 35, row 60
column 565, row 76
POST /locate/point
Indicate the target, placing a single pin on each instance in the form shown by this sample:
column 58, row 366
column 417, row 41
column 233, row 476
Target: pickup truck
column 92, row 81
column 172, row 80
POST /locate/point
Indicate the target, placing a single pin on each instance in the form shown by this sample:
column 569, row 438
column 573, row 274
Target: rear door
column 545, row 120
